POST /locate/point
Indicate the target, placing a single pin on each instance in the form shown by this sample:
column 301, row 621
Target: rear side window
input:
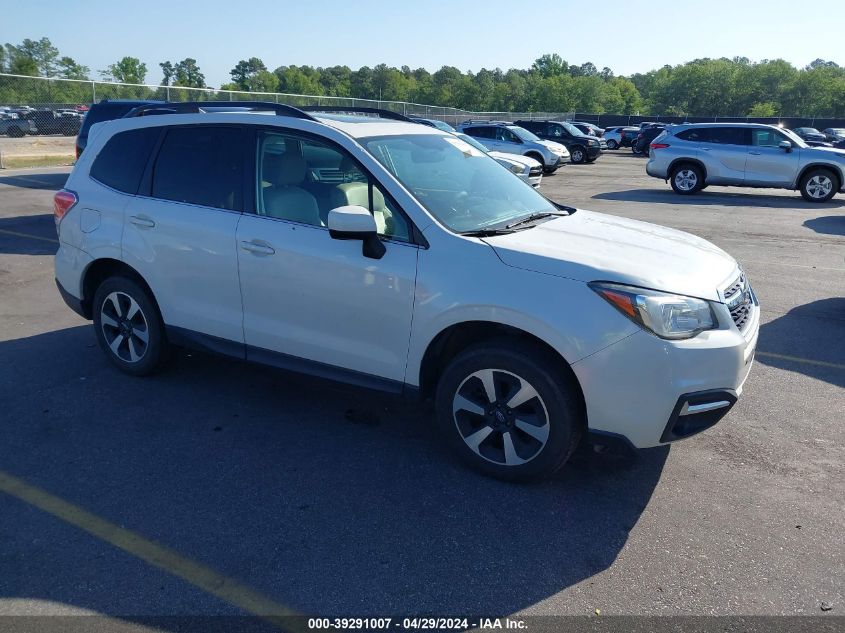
column 727, row 135
column 201, row 165
column 695, row 135
column 480, row 132
column 120, row 164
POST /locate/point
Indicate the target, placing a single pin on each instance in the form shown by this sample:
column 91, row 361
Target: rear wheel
column 612, row 144
column 818, row 185
column 128, row 326
column 577, row 154
column 686, row 179
column 506, row 410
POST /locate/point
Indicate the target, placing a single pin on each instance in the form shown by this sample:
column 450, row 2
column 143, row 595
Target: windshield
column 462, row 187
column 472, row 141
column 572, row 129
column 524, row 134
column 442, row 125
column 794, row 138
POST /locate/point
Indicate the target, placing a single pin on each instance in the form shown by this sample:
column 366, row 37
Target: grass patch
column 55, row 160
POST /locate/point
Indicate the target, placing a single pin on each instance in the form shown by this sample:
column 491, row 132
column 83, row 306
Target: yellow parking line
column 32, row 237
column 195, row 573
column 798, row 359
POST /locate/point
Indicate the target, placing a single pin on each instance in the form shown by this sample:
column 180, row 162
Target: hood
column 556, row 147
column 515, row 158
column 590, row 246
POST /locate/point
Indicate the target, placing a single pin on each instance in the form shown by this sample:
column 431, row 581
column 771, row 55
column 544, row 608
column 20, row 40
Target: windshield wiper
column 487, row 232
column 533, row 217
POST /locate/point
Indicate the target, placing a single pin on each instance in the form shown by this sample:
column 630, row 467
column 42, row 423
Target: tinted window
column 727, row 135
column 480, row 132
column 696, row 135
column 105, row 111
column 200, row 165
column 120, row 164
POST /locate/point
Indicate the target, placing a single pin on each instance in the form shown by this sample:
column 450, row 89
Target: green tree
column 131, row 70
column 69, row 69
column 168, row 70
column 549, row 65
column 38, row 54
column 187, row 74
column 245, row 71
column 767, row 109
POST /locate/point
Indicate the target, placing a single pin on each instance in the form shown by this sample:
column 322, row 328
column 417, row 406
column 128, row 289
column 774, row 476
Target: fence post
column 93, row 92
column 2, row 162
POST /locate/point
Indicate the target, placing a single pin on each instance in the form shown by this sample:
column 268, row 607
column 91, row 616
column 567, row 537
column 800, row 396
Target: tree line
column 702, row 87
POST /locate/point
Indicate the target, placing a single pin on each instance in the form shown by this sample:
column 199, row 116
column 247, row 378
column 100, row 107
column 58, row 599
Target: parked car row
column 403, row 259
column 24, row 120
column 694, row 155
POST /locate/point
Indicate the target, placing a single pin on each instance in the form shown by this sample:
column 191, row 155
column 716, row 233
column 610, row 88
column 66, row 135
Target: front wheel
column 128, row 326
column 577, row 154
column 612, row 144
column 818, row 185
column 506, row 410
column 686, row 179
column 15, row 132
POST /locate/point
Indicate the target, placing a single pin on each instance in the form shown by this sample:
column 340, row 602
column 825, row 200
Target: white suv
column 398, row 257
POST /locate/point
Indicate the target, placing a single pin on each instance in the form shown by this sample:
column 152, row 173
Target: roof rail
column 193, row 107
column 384, row 114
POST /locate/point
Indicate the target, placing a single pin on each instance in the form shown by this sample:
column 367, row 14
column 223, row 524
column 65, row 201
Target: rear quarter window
column 120, row 164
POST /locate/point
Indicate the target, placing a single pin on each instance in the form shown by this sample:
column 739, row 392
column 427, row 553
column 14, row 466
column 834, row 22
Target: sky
column 467, row 34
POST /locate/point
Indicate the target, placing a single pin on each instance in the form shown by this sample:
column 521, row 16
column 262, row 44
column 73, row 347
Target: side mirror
column 352, row 222
column 785, row 146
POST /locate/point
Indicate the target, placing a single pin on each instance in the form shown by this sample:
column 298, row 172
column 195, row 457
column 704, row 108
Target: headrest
column 284, row 169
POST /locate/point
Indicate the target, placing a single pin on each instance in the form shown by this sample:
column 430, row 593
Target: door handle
column 755, row 153
column 257, row 248
column 142, row 221
column 705, row 149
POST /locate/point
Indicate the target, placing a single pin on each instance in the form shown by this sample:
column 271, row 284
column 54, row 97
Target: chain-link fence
column 35, row 108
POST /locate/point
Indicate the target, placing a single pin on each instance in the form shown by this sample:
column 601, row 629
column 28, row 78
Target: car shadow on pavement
column 42, row 180
column 829, row 224
column 815, row 332
column 716, row 197
column 270, row 479
column 28, row 235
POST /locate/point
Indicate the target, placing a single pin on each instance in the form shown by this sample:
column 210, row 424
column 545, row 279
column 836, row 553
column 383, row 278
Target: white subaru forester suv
column 398, row 257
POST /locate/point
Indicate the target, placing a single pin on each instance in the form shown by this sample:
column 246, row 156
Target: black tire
column 15, row 132
column 818, row 185
column 511, row 367
column 634, row 148
column 113, row 302
column 686, row 179
column 577, row 154
column 612, row 144
column 548, row 171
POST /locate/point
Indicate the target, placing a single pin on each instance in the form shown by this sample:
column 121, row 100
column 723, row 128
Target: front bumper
column 593, row 152
column 652, row 391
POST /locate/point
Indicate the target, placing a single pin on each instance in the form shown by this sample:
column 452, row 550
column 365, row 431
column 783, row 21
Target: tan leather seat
column 284, row 198
column 357, row 193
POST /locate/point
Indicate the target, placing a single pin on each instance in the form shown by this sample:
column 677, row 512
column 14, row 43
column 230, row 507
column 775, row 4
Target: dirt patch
column 37, row 146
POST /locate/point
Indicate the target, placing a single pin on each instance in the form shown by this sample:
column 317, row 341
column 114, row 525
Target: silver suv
column 501, row 136
column 692, row 156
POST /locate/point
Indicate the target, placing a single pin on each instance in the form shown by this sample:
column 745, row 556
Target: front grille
column 739, row 300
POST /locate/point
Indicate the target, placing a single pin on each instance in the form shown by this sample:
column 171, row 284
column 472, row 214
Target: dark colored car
column 50, row 122
column 588, row 128
column 834, row 134
column 627, row 135
column 440, row 125
column 105, row 111
column 811, row 136
column 645, row 137
column 582, row 148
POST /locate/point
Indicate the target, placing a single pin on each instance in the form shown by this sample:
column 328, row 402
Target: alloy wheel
column 686, row 179
column 124, row 327
column 501, row 417
column 819, row 186
column 577, row 155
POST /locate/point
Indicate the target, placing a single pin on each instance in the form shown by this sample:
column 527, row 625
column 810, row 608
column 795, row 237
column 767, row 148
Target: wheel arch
column 457, row 337
column 837, row 171
column 683, row 161
column 532, row 153
column 101, row 269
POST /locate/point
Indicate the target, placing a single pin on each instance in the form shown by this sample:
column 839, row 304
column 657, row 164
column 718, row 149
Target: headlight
column 517, row 169
column 664, row 314
column 591, row 142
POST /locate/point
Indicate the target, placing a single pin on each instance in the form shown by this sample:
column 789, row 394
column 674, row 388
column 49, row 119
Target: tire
column 612, row 144
column 487, row 436
column 686, row 179
column 115, row 299
column 548, row 171
column 577, row 154
column 15, row 132
column 634, row 148
column 818, row 185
